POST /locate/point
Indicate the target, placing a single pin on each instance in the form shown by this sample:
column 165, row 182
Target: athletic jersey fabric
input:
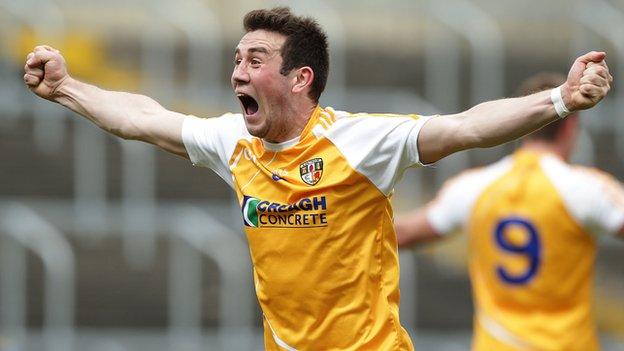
column 316, row 212
column 532, row 221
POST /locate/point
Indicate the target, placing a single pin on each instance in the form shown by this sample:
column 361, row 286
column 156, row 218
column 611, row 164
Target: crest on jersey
column 311, row 171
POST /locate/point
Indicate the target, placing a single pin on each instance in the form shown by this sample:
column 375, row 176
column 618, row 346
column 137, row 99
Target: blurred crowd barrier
column 116, row 246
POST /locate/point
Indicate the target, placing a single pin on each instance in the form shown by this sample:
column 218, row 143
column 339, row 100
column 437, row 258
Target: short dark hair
column 305, row 45
column 540, row 82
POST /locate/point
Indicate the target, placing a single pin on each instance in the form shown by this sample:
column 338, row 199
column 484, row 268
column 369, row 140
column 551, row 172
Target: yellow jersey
column 532, row 221
column 317, row 215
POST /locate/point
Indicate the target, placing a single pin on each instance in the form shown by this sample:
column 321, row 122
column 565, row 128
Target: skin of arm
column 414, row 228
column 497, row 122
column 126, row 115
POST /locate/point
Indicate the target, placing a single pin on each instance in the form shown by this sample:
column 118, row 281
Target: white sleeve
column 449, row 210
column 608, row 213
column 380, row 147
column 594, row 198
column 210, row 142
column 453, row 205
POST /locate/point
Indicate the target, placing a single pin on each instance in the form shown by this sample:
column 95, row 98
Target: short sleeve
column 448, row 211
column 380, row 147
column 594, row 198
column 210, row 142
column 454, row 203
column 609, row 210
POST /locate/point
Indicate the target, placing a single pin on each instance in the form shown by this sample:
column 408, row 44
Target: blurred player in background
column 532, row 221
column 313, row 183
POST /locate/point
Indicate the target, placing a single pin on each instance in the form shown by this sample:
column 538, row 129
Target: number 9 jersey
column 532, row 221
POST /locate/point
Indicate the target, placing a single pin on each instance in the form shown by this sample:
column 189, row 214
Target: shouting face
column 262, row 90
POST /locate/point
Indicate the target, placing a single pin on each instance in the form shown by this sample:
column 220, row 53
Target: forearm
column 118, row 113
column 485, row 125
column 496, row 122
column 129, row 116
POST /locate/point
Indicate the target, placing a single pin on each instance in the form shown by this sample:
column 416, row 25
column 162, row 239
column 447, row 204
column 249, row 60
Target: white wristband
column 557, row 100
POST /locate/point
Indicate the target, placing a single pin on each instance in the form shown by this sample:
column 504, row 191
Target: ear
column 302, row 80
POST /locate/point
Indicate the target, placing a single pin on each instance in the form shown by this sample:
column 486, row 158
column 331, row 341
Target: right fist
column 45, row 71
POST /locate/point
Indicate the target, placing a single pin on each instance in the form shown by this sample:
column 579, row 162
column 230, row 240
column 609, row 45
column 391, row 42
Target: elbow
column 475, row 140
column 461, row 136
column 135, row 125
column 126, row 130
column 453, row 133
column 471, row 135
column 126, row 135
column 481, row 142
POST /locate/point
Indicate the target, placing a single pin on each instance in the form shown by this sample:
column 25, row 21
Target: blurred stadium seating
column 110, row 245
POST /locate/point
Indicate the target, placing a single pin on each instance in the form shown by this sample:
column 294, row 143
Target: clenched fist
column 45, row 71
column 588, row 82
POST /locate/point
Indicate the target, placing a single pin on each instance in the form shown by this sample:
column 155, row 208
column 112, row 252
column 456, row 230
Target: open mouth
column 250, row 105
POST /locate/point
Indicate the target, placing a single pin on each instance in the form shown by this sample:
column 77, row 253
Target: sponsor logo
column 305, row 213
column 311, row 171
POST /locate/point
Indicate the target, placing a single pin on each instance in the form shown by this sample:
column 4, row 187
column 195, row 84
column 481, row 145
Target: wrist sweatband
column 557, row 100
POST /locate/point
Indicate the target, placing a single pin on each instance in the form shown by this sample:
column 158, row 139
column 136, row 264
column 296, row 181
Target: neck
column 295, row 120
column 542, row 146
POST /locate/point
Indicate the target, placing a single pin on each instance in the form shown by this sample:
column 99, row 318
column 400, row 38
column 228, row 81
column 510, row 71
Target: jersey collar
column 292, row 142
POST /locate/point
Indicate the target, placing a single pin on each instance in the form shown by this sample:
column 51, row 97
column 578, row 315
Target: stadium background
column 110, row 245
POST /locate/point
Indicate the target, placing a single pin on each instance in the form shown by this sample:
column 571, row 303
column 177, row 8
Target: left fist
column 588, row 82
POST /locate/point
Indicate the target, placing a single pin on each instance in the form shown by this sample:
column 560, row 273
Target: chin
column 258, row 127
column 257, row 131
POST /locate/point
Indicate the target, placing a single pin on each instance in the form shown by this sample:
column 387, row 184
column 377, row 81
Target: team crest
column 311, row 171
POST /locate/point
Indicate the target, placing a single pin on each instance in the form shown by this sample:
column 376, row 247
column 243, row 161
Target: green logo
column 250, row 212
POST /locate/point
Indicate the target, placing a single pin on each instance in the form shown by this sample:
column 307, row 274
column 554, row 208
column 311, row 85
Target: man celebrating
column 313, row 183
column 532, row 221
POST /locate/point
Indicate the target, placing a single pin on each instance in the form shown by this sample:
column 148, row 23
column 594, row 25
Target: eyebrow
column 253, row 49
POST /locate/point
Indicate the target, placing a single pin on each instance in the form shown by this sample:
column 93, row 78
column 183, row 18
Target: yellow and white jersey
column 532, row 220
column 317, row 216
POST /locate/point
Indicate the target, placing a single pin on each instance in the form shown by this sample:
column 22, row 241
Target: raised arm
column 129, row 116
column 497, row 122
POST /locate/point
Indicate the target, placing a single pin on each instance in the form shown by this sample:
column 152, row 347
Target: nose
column 240, row 75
